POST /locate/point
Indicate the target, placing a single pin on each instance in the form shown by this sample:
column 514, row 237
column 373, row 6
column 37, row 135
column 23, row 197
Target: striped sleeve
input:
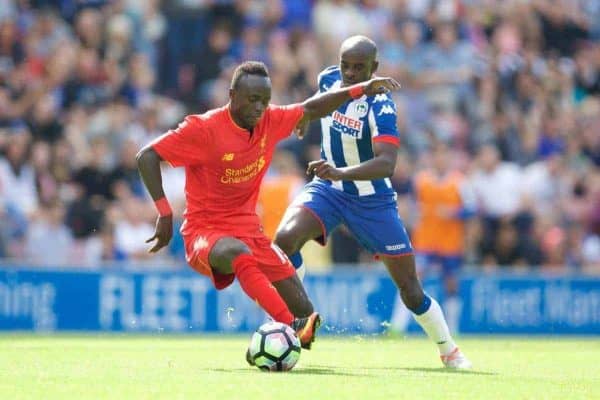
column 382, row 120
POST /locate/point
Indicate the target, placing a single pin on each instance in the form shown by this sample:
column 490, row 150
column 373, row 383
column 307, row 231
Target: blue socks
column 422, row 309
column 296, row 259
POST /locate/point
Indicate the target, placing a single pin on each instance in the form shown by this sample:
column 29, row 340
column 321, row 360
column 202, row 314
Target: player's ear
column 374, row 65
column 231, row 93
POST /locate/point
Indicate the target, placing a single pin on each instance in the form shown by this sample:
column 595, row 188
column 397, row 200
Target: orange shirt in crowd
column 439, row 230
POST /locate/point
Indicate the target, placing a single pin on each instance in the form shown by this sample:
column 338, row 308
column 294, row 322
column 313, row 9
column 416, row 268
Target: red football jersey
column 224, row 165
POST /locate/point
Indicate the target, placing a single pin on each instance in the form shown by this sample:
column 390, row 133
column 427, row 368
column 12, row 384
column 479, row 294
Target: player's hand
column 380, row 85
column 162, row 233
column 324, row 170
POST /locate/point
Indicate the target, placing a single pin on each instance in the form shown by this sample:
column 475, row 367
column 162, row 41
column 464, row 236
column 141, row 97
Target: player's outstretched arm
column 148, row 162
column 380, row 166
column 323, row 104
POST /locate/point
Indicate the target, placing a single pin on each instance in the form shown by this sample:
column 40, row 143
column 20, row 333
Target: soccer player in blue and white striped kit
column 352, row 186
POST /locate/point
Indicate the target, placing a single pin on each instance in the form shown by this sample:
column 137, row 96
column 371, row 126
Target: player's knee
column 287, row 240
column 412, row 294
column 225, row 251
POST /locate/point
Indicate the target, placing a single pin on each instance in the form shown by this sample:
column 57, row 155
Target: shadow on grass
column 445, row 371
column 439, row 370
column 321, row 370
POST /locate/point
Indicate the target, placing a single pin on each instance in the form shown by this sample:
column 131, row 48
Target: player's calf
column 292, row 292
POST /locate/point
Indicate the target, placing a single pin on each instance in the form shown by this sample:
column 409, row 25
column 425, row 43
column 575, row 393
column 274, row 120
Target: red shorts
column 272, row 261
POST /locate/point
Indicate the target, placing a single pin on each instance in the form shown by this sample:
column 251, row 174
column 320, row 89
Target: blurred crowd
column 512, row 87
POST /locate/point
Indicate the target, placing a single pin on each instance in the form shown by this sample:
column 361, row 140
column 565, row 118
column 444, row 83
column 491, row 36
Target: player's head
column 358, row 59
column 249, row 93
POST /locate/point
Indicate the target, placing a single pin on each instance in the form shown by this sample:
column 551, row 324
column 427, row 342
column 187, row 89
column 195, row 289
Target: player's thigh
column 298, row 226
column 312, row 215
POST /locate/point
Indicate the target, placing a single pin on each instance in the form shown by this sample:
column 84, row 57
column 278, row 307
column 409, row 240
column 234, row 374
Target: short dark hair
column 248, row 68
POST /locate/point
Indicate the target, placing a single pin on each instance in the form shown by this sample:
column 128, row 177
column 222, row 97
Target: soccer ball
column 274, row 347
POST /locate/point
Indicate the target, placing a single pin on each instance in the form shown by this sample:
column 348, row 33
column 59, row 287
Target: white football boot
column 456, row 360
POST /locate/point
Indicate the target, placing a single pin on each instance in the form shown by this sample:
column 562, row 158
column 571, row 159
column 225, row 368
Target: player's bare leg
column 294, row 295
column 297, row 227
column 426, row 310
column 231, row 256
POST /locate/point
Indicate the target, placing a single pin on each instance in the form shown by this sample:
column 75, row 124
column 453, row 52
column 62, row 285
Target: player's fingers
column 159, row 245
column 391, row 84
column 151, row 239
column 322, row 170
column 313, row 165
column 323, row 174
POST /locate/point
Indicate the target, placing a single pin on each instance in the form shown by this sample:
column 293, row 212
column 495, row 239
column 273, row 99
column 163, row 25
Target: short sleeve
column 283, row 119
column 184, row 145
column 326, row 78
column 382, row 120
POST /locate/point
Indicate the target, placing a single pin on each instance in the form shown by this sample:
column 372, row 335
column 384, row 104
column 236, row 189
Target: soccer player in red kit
column 226, row 152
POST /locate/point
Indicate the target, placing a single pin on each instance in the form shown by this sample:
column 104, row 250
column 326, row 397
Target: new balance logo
column 227, row 157
column 380, row 98
column 386, row 109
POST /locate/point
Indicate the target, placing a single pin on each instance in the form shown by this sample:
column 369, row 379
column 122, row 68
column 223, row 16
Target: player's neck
column 237, row 122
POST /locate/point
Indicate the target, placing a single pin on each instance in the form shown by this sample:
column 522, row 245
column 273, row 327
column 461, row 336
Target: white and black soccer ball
column 275, row 347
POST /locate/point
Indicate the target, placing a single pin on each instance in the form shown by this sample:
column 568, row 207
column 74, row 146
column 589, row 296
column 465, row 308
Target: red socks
column 258, row 288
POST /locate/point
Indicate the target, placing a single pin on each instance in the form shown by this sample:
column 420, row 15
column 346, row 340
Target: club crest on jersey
column 360, row 108
column 346, row 125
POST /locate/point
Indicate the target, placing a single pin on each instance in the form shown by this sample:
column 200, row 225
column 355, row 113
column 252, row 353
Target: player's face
column 356, row 67
column 250, row 99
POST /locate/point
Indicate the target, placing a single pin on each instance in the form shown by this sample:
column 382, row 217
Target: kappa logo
column 379, row 98
column 386, row 109
column 228, row 157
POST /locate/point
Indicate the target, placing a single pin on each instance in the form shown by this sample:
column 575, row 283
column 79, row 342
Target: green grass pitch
column 213, row 367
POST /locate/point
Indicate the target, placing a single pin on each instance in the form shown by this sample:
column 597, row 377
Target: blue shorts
column 373, row 219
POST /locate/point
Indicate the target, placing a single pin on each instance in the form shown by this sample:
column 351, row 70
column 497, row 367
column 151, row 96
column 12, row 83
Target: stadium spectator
column 80, row 80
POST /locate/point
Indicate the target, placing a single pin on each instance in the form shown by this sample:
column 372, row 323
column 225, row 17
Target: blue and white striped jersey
column 349, row 132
